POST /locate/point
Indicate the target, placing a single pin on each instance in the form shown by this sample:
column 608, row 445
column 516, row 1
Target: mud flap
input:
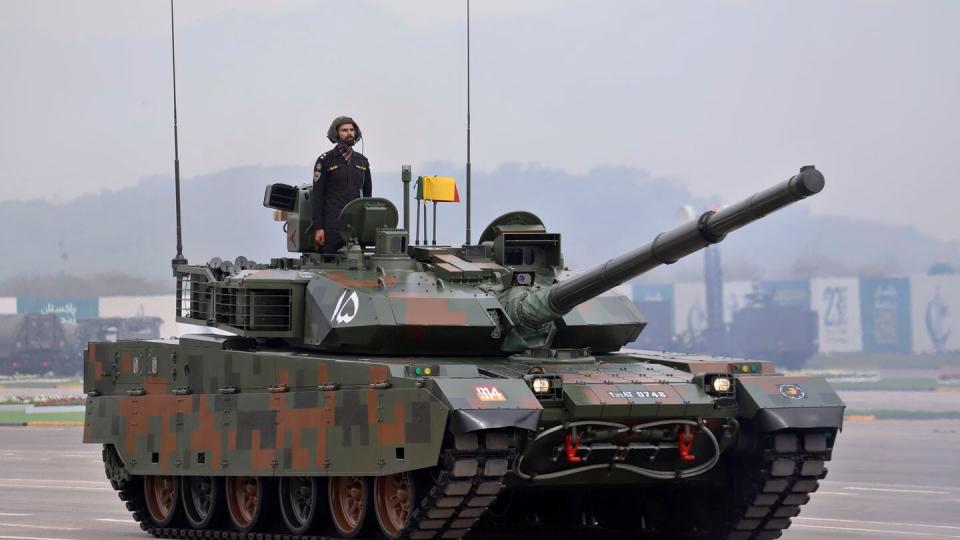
column 467, row 420
column 780, row 402
column 478, row 404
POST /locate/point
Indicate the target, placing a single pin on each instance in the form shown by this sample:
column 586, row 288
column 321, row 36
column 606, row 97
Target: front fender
column 778, row 402
column 478, row 404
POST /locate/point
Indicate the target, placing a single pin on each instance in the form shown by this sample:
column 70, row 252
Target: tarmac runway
column 888, row 479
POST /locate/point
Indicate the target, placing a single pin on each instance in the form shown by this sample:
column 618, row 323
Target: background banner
column 67, row 309
column 885, row 312
column 935, row 311
column 837, row 303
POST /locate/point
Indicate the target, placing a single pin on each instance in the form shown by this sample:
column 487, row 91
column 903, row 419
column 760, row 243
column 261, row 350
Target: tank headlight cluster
column 545, row 386
column 721, row 385
column 540, row 385
column 718, row 384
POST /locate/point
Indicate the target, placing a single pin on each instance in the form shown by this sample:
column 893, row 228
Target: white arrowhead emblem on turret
column 341, row 314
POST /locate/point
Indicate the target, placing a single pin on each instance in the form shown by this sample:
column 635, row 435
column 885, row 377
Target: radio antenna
column 179, row 259
column 468, row 122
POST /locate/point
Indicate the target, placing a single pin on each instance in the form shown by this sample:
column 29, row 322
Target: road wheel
column 162, row 495
column 202, row 500
column 395, row 497
column 349, row 504
column 301, row 503
column 246, row 499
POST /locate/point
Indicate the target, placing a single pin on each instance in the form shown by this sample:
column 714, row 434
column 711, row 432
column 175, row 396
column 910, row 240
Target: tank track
column 772, row 482
column 793, row 463
column 469, row 478
column 472, row 470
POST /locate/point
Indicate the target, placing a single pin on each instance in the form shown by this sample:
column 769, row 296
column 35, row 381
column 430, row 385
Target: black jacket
column 335, row 183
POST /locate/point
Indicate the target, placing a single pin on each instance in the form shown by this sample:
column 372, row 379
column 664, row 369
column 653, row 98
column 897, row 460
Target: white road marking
column 878, row 531
column 880, row 484
column 837, row 493
column 103, row 482
column 32, row 538
column 69, row 488
column 32, row 526
column 13, row 515
column 889, row 490
column 889, row 523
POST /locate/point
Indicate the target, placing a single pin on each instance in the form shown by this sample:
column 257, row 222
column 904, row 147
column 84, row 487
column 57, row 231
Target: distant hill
column 601, row 213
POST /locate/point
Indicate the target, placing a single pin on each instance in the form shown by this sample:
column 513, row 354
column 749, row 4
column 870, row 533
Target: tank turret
column 508, row 294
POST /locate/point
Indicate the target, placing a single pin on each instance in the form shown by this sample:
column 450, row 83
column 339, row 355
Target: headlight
column 721, row 385
column 540, row 385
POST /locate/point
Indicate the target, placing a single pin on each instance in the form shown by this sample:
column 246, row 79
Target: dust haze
column 721, row 97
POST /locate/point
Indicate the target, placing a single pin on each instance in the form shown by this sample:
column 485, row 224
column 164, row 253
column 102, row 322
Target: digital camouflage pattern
column 193, row 406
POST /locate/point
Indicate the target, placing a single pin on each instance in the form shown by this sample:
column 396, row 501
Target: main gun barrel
column 673, row 245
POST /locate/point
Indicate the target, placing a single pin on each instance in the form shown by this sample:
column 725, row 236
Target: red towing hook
column 570, row 446
column 685, row 444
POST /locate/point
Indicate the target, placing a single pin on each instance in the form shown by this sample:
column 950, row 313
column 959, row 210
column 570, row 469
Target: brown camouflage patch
column 207, row 437
column 154, row 385
column 420, row 311
column 392, row 433
column 94, row 364
column 136, row 412
column 348, row 280
column 260, row 459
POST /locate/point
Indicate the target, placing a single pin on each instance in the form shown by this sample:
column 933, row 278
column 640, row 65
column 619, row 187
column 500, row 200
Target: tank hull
column 212, row 407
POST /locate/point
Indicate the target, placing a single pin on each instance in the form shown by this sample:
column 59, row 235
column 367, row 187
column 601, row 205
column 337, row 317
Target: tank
column 36, row 345
column 412, row 391
column 784, row 334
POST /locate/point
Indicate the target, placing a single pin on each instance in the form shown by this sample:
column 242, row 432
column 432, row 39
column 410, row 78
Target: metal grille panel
column 255, row 310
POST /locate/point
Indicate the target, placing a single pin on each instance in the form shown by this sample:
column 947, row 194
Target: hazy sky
column 724, row 96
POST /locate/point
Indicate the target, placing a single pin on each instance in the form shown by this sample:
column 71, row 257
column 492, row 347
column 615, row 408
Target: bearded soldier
column 339, row 176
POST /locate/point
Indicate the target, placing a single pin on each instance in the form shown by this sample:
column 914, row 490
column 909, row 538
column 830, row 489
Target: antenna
column 468, row 124
column 179, row 258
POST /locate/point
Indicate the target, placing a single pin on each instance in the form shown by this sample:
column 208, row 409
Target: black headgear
column 337, row 122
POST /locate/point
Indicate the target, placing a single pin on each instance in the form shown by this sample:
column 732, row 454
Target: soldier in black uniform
column 339, row 176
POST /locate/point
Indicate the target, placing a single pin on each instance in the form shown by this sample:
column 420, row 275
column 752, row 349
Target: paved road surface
column 888, row 480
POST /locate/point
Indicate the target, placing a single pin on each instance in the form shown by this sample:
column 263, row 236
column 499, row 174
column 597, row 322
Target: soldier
column 339, row 176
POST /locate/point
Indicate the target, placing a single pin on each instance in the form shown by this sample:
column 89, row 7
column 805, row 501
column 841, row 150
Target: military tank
column 412, row 391
column 36, row 344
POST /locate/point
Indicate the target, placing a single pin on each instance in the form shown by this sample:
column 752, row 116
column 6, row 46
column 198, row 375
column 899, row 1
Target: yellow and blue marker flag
column 437, row 189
